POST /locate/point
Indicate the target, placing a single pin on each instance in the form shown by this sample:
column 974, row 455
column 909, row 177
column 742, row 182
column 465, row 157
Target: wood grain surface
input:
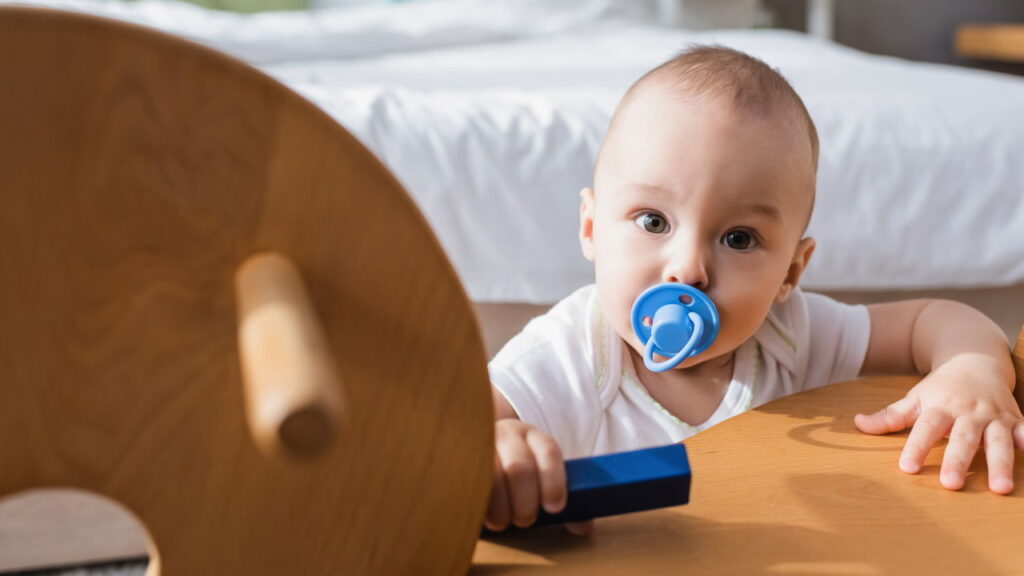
column 793, row 488
column 137, row 172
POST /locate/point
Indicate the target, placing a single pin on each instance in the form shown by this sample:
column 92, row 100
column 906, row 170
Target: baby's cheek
column 615, row 307
column 738, row 323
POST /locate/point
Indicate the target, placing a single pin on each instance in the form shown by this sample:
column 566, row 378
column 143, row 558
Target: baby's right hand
column 528, row 472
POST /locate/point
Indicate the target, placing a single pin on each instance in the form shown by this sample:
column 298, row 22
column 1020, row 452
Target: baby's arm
column 965, row 395
column 529, row 471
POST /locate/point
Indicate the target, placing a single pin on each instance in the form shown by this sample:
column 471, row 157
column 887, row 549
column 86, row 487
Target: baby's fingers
column 520, row 471
column 1018, row 435
column 999, row 454
column 584, row 528
column 551, row 470
column 897, row 416
column 964, row 440
column 927, row 430
column 498, row 510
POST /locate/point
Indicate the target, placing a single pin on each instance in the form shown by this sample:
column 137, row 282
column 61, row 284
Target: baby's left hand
column 969, row 409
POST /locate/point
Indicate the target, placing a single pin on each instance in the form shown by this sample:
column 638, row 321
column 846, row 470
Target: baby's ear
column 587, row 223
column 801, row 256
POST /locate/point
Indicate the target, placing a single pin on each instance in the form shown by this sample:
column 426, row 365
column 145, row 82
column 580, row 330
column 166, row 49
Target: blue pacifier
column 673, row 320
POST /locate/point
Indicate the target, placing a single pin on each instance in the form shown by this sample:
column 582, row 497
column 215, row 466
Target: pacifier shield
column 669, row 304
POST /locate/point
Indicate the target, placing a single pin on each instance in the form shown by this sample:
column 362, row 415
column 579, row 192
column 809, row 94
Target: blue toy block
column 624, row 482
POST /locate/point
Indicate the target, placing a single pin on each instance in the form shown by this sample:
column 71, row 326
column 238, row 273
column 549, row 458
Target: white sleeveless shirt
column 568, row 373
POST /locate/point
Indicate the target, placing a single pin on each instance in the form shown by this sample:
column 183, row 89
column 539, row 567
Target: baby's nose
column 701, row 285
column 689, row 269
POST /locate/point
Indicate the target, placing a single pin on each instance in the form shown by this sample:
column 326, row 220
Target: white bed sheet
column 491, row 119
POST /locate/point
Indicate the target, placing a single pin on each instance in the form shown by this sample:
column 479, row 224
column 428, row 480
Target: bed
column 490, row 114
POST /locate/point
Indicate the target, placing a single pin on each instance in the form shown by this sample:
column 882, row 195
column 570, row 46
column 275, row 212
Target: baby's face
column 699, row 193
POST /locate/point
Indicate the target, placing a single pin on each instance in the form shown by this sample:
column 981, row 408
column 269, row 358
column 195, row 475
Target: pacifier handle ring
column 698, row 331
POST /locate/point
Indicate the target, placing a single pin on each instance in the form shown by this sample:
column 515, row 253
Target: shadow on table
column 674, row 542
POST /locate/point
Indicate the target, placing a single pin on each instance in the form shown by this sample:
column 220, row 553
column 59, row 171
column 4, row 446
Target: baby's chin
column 708, row 356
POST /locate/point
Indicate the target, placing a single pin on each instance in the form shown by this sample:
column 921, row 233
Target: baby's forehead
column 764, row 95
column 692, row 123
column 757, row 158
column 665, row 102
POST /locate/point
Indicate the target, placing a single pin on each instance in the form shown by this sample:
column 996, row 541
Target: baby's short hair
column 717, row 71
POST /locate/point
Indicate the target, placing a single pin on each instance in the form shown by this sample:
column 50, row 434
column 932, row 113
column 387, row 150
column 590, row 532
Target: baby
column 707, row 178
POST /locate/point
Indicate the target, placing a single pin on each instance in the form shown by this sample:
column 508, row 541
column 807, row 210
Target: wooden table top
column 793, row 488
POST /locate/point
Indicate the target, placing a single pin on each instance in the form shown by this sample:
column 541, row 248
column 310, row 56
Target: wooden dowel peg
column 292, row 391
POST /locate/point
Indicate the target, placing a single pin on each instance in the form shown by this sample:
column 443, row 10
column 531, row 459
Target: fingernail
column 908, row 465
column 554, row 507
column 524, row 523
column 1002, row 485
column 951, row 480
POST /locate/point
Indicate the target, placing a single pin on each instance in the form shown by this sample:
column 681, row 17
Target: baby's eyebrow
column 768, row 210
column 648, row 189
column 765, row 209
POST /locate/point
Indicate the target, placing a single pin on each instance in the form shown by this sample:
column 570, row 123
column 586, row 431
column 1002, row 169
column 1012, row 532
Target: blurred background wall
column 914, row 29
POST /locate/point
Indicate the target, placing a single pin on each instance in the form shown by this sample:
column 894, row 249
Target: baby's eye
column 739, row 240
column 652, row 222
